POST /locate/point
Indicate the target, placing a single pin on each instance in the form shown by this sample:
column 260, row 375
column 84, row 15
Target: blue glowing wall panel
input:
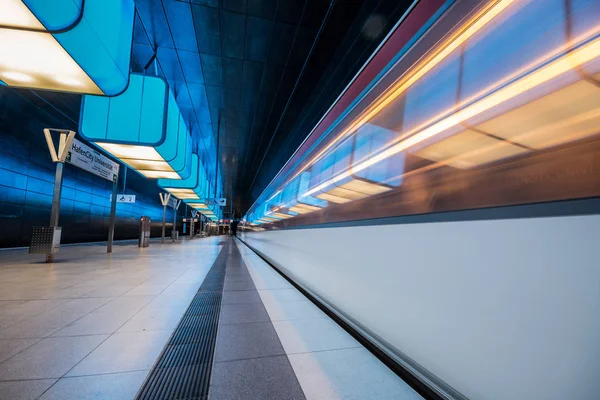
column 98, row 37
column 26, row 185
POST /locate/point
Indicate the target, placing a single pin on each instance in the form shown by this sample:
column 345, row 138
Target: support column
column 113, row 212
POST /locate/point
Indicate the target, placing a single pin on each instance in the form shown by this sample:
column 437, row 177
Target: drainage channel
column 183, row 369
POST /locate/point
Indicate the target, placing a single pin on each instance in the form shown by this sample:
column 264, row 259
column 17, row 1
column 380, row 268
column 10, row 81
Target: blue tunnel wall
column 27, row 176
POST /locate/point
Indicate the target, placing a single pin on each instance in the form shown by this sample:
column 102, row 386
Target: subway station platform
column 138, row 324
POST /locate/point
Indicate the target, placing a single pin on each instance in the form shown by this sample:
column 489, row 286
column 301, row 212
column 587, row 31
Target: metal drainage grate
column 182, row 371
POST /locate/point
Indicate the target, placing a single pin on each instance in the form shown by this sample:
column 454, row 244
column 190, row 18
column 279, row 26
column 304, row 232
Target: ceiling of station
column 255, row 76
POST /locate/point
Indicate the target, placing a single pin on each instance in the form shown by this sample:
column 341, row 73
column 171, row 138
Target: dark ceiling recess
column 258, row 74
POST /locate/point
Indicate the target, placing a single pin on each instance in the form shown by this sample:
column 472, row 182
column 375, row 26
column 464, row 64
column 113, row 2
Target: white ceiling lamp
column 66, row 45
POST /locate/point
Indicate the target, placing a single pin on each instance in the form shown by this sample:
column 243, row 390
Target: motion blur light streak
column 475, row 24
column 542, row 97
column 553, row 69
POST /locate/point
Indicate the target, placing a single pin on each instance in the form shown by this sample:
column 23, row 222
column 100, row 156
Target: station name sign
column 86, row 158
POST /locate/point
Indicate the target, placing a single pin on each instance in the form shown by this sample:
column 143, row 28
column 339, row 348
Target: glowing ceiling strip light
column 184, row 194
column 43, row 61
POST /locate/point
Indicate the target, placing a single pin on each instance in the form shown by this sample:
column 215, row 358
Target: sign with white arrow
column 124, row 198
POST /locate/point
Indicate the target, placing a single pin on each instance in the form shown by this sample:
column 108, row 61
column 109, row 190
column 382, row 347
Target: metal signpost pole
column 193, row 223
column 175, row 207
column 113, row 211
column 82, row 156
column 162, row 237
column 164, row 199
column 58, row 177
column 64, row 144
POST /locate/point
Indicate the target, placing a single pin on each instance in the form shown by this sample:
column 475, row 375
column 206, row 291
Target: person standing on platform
column 234, row 224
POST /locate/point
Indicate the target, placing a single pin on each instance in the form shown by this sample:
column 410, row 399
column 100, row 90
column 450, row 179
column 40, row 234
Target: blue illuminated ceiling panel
column 142, row 127
column 66, row 45
column 192, row 189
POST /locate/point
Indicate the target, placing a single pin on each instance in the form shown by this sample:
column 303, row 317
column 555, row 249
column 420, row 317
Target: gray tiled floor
column 328, row 363
column 241, row 297
column 348, row 374
column 25, row 390
column 122, row 352
column 243, row 313
column 49, row 358
column 257, row 378
column 91, row 325
column 121, row 386
column 250, row 362
column 250, row 340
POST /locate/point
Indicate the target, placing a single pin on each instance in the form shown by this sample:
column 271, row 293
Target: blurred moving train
column 447, row 205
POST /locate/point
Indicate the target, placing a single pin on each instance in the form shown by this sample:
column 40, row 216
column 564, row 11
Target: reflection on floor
column 92, row 325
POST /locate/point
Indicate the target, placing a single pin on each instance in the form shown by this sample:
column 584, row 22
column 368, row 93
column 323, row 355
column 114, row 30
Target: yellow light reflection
column 281, row 215
column 332, row 198
column 346, row 193
column 369, row 188
column 303, row 208
column 568, row 114
column 469, row 149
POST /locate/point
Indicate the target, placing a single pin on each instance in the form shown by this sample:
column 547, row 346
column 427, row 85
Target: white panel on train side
column 498, row 309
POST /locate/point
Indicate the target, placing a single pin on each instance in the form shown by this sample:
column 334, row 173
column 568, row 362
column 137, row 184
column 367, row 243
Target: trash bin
column 145, row 224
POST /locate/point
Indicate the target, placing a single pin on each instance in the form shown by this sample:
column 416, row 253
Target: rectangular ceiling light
column 66, row 45
column 142, row 127
column 198, row 206
column 193, row 187
column 184, row 194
